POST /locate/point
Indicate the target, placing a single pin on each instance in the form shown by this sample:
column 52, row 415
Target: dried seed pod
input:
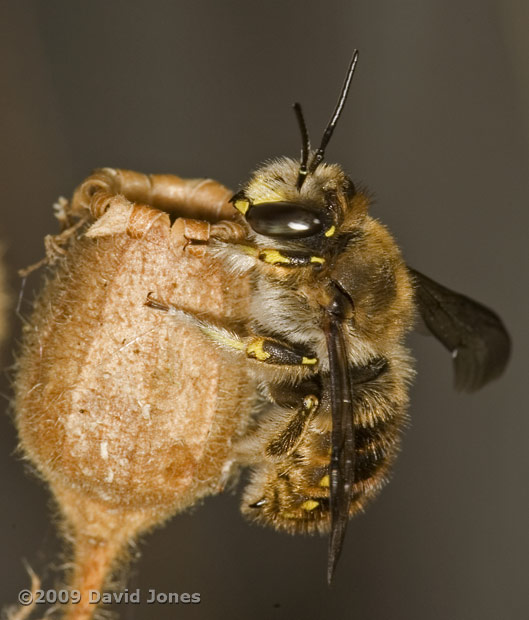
column 127, row 415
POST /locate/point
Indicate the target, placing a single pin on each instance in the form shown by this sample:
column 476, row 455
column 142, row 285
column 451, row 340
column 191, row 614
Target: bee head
column 300, row 200
column 275, row 207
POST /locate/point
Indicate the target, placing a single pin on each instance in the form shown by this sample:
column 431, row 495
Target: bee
column 331, row 303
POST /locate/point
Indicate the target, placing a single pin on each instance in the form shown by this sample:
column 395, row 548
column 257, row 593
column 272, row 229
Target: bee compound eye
column 284, row 220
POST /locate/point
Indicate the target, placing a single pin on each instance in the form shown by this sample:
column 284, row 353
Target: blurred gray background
column 438, row 127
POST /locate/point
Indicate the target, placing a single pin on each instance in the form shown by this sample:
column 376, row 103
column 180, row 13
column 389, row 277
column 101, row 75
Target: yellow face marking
column 309, row 505
column 242, row 205
column 317, row 259
column 255, row 349
column 274, row 257
column 330, row 232
column 325, row 481
column 309, row 361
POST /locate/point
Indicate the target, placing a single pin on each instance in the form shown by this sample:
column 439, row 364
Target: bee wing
column 341, row 470
column 476, row 336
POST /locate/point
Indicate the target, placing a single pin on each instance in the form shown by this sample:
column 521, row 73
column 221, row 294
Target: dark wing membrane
column 341, row 470
column 475, row 335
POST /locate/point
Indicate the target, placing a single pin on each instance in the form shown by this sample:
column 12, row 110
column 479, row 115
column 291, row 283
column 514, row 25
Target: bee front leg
column 242, row 257
column 260, row 348
column 282, row 258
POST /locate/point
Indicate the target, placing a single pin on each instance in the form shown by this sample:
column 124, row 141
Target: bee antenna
column 320, row 153
column 305, row 145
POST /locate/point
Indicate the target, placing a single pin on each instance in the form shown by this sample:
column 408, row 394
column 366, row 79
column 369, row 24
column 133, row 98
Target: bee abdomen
column 293, row 495
column 375, row 446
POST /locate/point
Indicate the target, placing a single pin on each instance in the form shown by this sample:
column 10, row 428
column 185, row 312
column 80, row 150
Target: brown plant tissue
column 128, row 415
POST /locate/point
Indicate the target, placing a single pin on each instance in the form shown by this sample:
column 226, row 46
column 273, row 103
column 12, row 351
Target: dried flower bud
column 128, row 415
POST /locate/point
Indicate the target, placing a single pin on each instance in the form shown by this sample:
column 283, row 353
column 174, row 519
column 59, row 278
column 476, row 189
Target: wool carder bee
column 332, row 300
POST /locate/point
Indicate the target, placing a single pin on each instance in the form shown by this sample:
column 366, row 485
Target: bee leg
column 282, row 258
column 287, row 440
column 272, row 351
column 259, row 348
column 289, row 259
column 290, row 458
